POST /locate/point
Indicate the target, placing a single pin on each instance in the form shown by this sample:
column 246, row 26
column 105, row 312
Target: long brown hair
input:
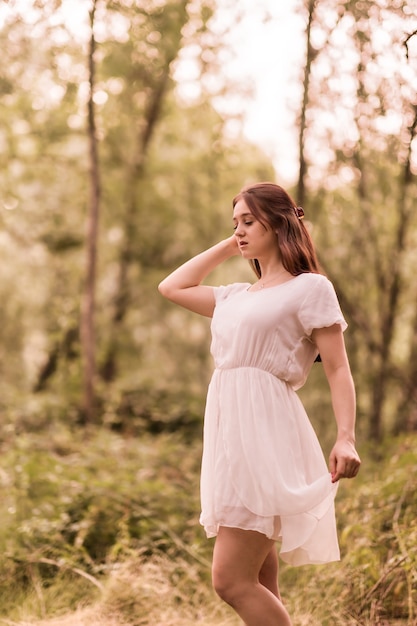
column 271, row 205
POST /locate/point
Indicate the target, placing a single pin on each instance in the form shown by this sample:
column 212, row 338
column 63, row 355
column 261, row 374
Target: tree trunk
column 407, row 411
column 88, row 299
column 310, row 55
column 394, row 291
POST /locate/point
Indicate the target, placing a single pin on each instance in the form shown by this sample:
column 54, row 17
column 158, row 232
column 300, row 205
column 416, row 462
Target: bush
column 91, row 517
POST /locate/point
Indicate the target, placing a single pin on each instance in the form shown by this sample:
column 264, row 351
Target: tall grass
column 102, row 529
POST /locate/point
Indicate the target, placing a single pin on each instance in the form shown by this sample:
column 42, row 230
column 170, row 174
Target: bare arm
column 344, row 460
column 184, row 287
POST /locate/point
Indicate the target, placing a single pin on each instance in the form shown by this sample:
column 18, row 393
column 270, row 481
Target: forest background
column 111, row 175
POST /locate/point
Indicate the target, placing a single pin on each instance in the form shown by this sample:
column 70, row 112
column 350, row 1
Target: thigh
column 239, row 554
column 268, row 575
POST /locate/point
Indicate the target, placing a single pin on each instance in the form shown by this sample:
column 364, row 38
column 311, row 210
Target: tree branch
column 405, row 43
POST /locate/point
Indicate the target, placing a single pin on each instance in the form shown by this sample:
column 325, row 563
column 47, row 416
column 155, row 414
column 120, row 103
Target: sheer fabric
column 263, row 468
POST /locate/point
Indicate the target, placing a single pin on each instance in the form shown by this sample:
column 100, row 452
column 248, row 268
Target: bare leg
column 237, row 562
column 268, row 576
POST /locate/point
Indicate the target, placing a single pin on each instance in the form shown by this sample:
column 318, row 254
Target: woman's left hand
column 344, row 460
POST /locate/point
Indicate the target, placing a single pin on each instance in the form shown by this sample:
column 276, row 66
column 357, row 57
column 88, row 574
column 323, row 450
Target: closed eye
column 245, row 223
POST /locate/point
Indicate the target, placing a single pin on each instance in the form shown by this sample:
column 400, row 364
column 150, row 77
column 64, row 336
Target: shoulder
column 312, row 283
column 319, row 305
column 316, row 290
column 310, row 278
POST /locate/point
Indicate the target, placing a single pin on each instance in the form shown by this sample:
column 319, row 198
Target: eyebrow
column 243, row 215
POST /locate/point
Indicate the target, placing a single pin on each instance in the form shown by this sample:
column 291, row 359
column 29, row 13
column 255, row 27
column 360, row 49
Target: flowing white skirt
column 263, row 468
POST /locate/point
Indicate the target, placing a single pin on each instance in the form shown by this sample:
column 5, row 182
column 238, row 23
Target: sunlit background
column 126, row 128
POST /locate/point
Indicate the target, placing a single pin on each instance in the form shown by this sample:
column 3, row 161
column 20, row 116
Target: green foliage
column 168, row 169
column 77, row 502
column 375, row 583
column 358, row 242
column 95, row 518
column 108, row 518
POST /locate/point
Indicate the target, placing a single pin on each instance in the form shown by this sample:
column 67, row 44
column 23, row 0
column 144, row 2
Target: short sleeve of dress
column 224, row 291
column 320, row 307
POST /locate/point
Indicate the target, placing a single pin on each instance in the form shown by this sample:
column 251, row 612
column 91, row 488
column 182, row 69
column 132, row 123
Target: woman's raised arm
column 183, row 285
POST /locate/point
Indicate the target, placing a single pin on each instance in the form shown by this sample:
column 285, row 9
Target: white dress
column 263, row 468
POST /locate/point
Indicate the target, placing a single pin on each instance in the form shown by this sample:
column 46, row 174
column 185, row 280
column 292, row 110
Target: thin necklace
column 262, row 284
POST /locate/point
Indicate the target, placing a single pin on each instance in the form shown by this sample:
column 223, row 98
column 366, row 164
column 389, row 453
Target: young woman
column 264, row 477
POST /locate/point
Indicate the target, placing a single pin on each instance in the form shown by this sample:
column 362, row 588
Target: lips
column 242, row 244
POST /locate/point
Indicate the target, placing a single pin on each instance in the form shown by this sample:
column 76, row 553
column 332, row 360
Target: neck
column 268, row 275
column 271, row 277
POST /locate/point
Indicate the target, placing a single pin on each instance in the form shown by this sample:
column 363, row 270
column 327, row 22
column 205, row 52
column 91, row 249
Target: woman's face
column 255, row 240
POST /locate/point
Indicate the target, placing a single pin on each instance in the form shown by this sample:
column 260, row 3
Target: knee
column 226, row 587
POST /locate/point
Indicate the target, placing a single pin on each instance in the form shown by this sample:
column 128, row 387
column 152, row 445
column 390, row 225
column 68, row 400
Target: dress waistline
column 249, row 367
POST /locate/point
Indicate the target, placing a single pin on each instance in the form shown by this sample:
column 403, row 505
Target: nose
column 239, row 230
